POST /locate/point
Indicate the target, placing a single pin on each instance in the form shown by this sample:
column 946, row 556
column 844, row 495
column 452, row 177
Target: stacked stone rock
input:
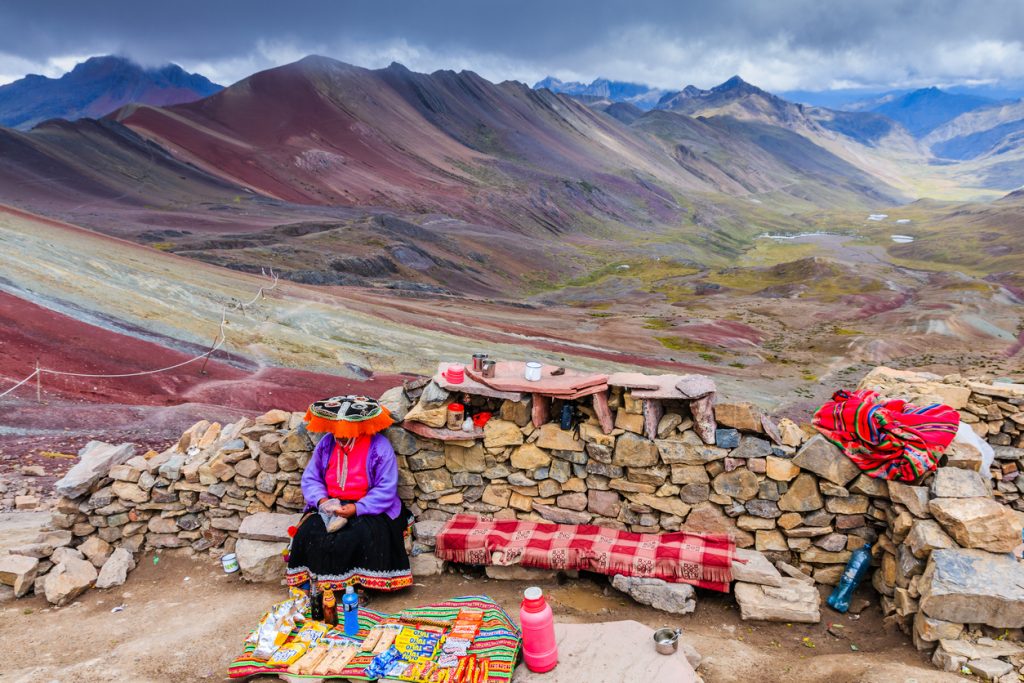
column 194, row 495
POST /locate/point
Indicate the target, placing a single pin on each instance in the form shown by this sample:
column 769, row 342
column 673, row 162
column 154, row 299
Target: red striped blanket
column 704, row 560
column 887, row 439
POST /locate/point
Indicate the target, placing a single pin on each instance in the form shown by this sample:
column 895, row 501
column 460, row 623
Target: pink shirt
column 346, row 476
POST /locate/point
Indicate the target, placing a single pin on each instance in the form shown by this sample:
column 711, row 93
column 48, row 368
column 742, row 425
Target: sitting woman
column 354, row 526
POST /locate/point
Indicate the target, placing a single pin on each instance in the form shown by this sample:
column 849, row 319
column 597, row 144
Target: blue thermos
column 350, row 604
column 856, row 569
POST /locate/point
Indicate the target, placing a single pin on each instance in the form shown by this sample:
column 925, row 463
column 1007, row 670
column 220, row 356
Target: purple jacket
column 381, row 469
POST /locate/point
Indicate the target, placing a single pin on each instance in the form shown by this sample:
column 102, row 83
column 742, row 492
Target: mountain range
column 95, row 88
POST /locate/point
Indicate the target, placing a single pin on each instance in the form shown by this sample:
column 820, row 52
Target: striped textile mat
column 499, row 640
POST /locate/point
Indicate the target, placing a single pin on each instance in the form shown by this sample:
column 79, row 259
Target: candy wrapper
column 379, row 666
column 277, row 624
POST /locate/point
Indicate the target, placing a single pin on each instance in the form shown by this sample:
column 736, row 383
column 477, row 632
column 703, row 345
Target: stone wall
column 777, row 488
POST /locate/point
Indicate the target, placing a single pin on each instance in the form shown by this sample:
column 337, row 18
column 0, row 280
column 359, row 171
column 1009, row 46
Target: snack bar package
column 287, row 654
column 277, row 624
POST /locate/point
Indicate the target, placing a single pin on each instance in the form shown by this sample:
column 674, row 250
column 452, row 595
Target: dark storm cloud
column 781, row 44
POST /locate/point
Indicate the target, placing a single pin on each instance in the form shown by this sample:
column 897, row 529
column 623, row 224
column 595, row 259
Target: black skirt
column 368, row 551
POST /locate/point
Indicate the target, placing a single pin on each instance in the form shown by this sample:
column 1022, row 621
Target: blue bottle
column 350, row 603
column 856, row 569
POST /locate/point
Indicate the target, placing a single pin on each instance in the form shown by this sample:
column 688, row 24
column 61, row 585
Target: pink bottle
column 540, row 651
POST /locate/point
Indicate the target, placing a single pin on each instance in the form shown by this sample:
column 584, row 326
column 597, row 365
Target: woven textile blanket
column 498, row 641
column 702, row 560
column 887, row 439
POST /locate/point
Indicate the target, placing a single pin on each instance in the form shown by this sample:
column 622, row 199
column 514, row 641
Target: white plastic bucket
column 230, row 563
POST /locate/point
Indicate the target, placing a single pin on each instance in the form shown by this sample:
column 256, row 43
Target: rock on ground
column 794, row 601
column 94, row 461
column 610, row 651
column 676, row 598
column 260, row 561
column 753, row 567
column 267, row 526
column 517, row 572
column 18, row 571
column 115, row 569
column 973, row 587
column 68, row 580
column 426, row 564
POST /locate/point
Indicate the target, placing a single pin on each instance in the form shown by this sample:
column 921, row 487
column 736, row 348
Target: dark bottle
column 856, row 569
column 330, row 608
column 316, row 605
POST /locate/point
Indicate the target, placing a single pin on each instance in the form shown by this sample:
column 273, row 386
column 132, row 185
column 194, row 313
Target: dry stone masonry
column 795, row 505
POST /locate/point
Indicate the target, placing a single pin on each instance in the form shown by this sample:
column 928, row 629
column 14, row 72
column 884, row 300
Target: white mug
column 532, row 371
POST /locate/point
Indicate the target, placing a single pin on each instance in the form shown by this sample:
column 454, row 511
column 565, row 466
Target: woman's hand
column 347, row 511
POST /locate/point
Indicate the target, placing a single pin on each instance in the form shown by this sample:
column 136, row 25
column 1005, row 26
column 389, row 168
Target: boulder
column 115, row 570
column 781, row 469
column 973, row 587
column 751, row 566
column 752, row 447
column 553, row 438
column 461, row 459
column 742, row 416
column 952, row 482
column 94, row 462
column 820, row 456
column 19, row 572
column 426, row 564
column 427, row 530
column 675, row 598
column 268, row 526
column 529, row 457
column 432, row 417
column 96, row 550
column 989, row 669
column 926, row 536
column 740, row 484
column 978, row 523
column 396, row 402
column 915, row 498
column 517, row 572
column 260, row 561
column 790, row 433
column 560, row 516
column 792, row 601
column 802, row 496
column 632, row 450
column 68, row 580
column 501, row 433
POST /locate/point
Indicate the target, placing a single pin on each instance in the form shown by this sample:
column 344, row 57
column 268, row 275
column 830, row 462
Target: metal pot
column 666, row 640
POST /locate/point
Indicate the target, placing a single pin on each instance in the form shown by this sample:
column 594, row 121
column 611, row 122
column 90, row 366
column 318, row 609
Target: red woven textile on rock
column 703, row 560
column 887, row 439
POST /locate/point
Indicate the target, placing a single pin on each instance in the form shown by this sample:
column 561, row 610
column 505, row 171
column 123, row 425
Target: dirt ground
column 183, row 619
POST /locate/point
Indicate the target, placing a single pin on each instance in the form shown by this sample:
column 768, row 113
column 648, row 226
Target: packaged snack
column 387, row 639
column 287, row 654
column 381, row 662
column 312, row 631
column 337, row 660
column 371, row 639
column 447, row 660
column 277, row 624
column 304, row 664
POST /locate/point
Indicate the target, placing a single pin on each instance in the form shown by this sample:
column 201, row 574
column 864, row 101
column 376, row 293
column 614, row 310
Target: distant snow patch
column 878, row 216
column 903, row 221
column 902, row 239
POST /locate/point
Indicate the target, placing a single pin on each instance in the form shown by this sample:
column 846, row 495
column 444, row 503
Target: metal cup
column 478, row 361
column 666, row 640
column 487, row 368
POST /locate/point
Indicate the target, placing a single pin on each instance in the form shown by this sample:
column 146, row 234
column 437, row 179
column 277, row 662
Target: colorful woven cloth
column 887, row 439
column 702, row 560
column 498, row 640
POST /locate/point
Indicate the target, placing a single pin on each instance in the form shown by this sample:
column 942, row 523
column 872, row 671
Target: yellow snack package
column 312, row 631
column 288, row 653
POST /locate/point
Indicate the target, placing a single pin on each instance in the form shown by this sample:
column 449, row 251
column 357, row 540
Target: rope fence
column 218, row 342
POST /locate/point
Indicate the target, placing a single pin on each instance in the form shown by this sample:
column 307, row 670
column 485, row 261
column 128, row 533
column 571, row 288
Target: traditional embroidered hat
column 347, row 417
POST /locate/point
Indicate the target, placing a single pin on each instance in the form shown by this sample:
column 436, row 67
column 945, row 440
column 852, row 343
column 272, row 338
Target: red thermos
column 540, row 651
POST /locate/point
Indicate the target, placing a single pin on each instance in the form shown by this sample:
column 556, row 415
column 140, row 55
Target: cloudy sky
column 777, row 44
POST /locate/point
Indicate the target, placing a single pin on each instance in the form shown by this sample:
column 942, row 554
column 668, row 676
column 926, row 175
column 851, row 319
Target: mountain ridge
column 95, row 88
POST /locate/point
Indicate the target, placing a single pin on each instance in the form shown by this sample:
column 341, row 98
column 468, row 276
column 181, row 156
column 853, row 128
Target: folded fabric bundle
column 703, row 560
column 887, row 439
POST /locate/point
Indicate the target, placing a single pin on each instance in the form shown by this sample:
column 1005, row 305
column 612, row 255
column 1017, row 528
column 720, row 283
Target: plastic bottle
column 856, row 569
column 350, row 604
column 330, row 608
column 540, row 651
